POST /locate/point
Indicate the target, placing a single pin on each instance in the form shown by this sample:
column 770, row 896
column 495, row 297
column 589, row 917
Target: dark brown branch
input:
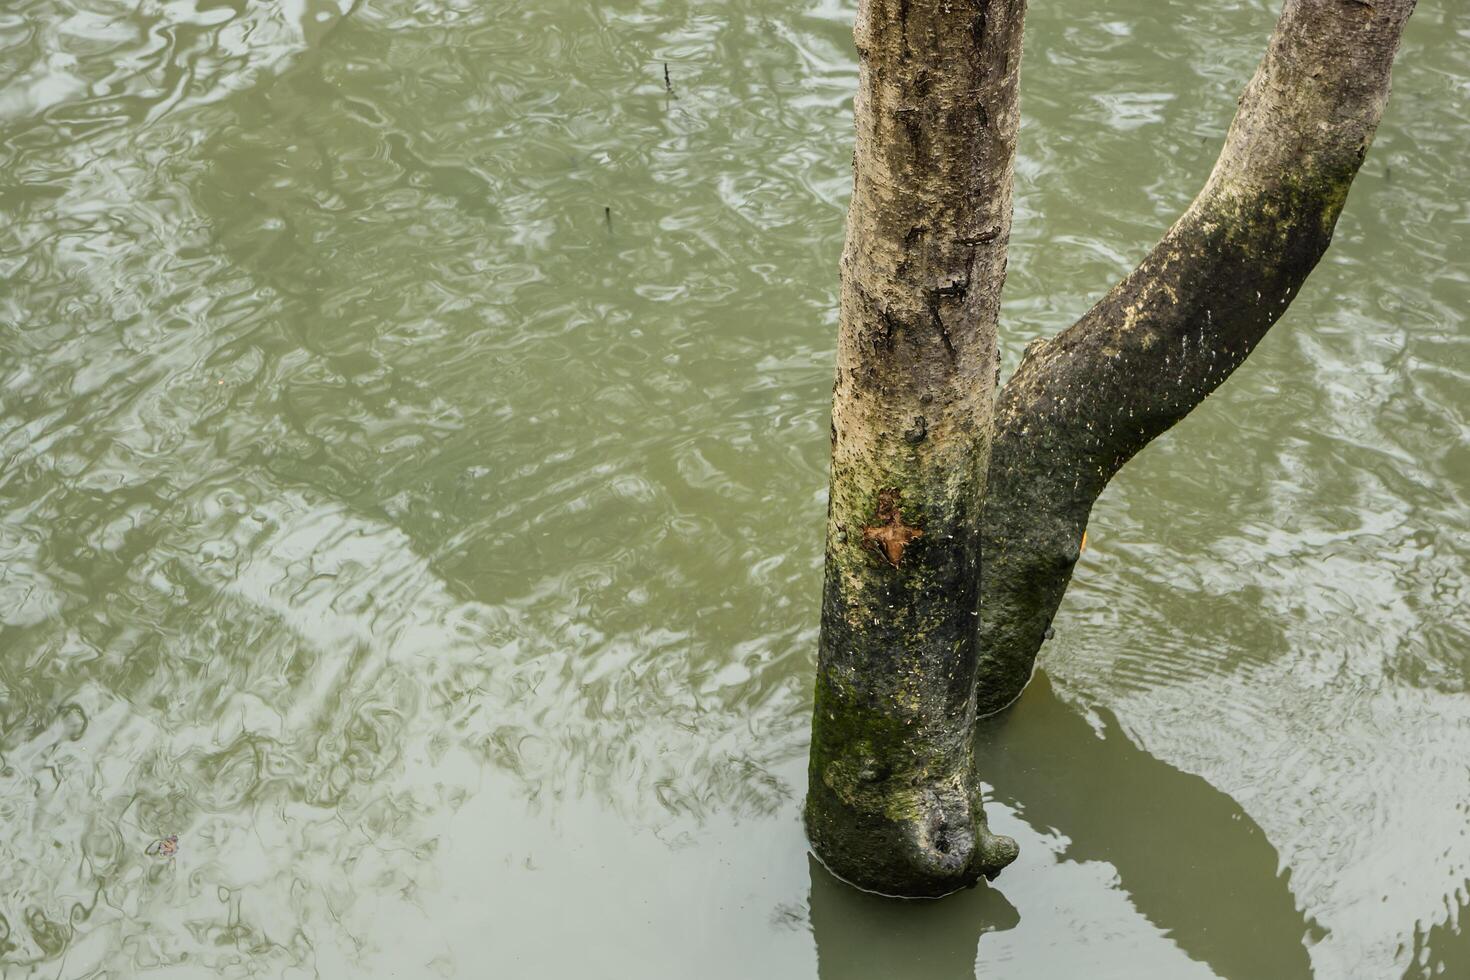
column 1082, row 404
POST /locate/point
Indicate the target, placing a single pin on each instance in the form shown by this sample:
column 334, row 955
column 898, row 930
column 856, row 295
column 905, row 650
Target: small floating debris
column 163, row 847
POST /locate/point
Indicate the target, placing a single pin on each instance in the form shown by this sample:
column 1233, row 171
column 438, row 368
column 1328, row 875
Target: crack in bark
column 957, row 288
column 936, row 315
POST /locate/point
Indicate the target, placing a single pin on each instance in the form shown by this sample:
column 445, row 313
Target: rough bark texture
column 894, row 801
column 1082, row 404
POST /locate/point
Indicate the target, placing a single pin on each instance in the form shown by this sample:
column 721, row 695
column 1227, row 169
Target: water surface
column 412, row 474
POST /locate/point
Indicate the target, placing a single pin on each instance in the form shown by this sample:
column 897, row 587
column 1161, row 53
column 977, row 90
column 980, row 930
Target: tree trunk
column 1082, row 404
column 894, row 800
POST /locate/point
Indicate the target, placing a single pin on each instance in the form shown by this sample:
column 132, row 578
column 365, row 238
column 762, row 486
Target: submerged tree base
column 941, row 848
column 893, row 802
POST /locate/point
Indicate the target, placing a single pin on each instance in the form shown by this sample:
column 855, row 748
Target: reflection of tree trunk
column 894, row 800
column 1188, row 856
column 1083, row 403
column 868, row 937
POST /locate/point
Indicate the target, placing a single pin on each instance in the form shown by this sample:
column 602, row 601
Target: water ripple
column 412, row 467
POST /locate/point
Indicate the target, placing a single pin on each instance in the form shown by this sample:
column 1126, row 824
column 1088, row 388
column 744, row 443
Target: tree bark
column 894, row 800
column 1083, row 403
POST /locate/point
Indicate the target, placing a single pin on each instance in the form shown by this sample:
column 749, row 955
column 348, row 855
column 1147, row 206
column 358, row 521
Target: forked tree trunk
column 894, row 801
column 1082, row 404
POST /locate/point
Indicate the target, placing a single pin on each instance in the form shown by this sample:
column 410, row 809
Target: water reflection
column 1187, row 855
column 862, row 936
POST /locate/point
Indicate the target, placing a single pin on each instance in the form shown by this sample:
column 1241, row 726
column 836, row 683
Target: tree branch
column 1083, row 403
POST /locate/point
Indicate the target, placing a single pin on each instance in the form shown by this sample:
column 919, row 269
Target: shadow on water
column 859, row 935
column 1193, row 862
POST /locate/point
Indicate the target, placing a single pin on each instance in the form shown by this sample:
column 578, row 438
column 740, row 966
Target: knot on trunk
column 889, row 535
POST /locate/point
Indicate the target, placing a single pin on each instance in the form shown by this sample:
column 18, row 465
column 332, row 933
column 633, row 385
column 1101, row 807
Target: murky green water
column 412, row 469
